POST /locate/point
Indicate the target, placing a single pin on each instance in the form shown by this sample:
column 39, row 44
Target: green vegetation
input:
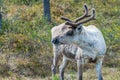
column 25, row 48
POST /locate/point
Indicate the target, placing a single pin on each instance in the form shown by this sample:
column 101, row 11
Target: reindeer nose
column 55, row 41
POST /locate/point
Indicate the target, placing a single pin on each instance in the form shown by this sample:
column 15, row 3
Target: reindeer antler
column 91, row 18
column 80, row 18
column 84, row 15
column 66, row 19
column 73, row 24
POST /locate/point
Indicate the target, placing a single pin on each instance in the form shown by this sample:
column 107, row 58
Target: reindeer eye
column 79, row 28
column 69, row 33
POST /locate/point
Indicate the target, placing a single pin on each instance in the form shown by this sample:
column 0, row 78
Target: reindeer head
column 69, row 31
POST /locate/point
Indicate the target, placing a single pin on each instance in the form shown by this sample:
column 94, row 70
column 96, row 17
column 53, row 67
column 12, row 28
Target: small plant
column 72, row 76
column 55, row 77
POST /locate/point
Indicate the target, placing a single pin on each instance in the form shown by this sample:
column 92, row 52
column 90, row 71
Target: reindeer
column 88, row 38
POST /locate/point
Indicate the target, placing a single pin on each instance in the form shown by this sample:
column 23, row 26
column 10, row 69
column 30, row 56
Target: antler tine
column 91, row 18
column 84, row 15
column 66, row 19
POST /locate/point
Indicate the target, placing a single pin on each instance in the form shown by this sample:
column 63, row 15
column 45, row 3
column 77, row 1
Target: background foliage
column 25, row 48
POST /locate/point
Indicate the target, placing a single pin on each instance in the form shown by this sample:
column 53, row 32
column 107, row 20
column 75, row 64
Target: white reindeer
column 88, row 38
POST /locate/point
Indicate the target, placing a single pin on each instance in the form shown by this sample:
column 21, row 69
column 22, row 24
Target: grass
column 108, row 74
column 25, row 48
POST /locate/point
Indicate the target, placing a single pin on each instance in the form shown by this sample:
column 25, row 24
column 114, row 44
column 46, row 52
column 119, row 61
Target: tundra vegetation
column 25, row 47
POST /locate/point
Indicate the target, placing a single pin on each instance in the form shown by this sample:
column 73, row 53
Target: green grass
column 25, row 48
column 55, row 77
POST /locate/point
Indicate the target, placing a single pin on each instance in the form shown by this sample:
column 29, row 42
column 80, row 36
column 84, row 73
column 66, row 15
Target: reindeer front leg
column 79, row 58
column 62, row 68
column 55, row 62
column 79, row 66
